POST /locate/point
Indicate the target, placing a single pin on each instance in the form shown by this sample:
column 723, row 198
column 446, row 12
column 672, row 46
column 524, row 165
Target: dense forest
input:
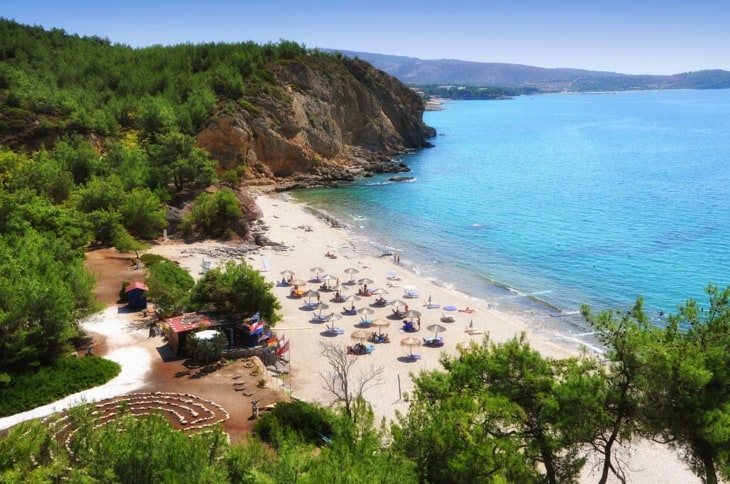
column 95, row 138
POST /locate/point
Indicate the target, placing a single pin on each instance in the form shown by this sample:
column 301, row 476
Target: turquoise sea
column 542, row 203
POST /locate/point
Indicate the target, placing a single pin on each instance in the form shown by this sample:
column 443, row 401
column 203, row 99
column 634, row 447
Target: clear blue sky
column 628, row 36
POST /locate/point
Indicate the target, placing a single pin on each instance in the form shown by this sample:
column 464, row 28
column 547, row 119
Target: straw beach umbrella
column 332, row 317
column 352, row 271
column 412, row 313
column 360, row 334
column 380, row 324
column 365, row 280
column 365, row 311
column 410, row 341
column 320, row 307
column 436, row 328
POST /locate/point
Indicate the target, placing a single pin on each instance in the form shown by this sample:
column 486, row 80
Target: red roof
column 136, row 285
column 187, row 322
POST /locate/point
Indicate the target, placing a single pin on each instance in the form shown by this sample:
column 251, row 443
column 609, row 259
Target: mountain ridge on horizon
column 421, row 72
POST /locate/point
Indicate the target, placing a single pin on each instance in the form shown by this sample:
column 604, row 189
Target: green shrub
column 64, row 377
column 307, row 421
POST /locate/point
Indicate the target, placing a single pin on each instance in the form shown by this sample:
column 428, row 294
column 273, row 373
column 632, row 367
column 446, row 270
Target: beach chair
column 334, row 329
column 365, row 320
column 410, row 292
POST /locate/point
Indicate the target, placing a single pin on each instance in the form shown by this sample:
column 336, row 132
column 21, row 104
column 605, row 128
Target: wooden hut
column 136, row 296
column 177, row 328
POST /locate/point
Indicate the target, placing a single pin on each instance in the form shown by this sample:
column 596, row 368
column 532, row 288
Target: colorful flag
column 283, row 349
column 256, row 327
column 283, row 346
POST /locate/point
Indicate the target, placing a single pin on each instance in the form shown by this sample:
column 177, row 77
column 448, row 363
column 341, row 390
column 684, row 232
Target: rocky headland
column 331, row 120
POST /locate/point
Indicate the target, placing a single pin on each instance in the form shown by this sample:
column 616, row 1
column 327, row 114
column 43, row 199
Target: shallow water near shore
column 542, row 203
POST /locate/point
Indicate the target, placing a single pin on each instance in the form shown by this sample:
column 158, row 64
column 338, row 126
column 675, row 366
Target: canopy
column 360, row 334
column 436, row 328
column 206, row 334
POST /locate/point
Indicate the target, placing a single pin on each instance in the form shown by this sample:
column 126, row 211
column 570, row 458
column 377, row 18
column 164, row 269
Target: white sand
column 290, row 223
column 307, row 239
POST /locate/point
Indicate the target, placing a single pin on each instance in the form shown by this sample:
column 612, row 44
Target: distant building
column 136, row 296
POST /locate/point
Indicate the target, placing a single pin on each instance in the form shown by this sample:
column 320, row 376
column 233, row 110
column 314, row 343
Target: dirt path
column 231, row 386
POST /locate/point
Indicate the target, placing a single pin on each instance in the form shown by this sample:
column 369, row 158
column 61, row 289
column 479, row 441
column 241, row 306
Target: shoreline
column 306, row 236
column 306, row 239
column 563, row 325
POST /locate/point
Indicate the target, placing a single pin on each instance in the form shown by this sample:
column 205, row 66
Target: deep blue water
column 544, row 203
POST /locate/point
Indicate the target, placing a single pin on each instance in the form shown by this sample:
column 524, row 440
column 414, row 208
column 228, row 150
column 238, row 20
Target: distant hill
column 421, row 72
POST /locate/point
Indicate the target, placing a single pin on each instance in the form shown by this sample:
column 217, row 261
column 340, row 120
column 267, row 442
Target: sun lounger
column 415, row 356
column 410, row 292
column 335, row 330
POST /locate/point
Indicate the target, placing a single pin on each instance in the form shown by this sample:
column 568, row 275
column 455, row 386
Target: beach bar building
column 177, row 328
column 136, row 296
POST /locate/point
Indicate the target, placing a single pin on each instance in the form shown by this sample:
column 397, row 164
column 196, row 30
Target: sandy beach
column 306, row 240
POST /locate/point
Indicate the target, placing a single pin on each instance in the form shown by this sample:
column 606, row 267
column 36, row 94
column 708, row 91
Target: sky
column 626, row 36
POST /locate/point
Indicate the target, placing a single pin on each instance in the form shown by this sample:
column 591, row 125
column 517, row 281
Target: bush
column 307, row 421
column 64, row 377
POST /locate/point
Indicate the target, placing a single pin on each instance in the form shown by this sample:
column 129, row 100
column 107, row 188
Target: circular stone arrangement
column 185, row 411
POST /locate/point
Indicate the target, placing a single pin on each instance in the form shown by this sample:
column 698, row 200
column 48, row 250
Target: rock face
column 333, row 119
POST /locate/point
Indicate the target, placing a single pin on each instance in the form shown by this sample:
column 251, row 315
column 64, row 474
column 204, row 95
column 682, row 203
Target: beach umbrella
column 352, row 271
column 398, row 303
column 412, row 313
column 365, row 280
column 352, row 298
column 450, row 307
column 436, row 328
column 317, row 271
column 330, row 318
column 310, row 293
column 365, row 311
column 360, row 334
column 380, row 324
column 380, row 291
column 410, row 341
column 287, row 272
column 392, row 274
column 320, row 306
column 298, row 282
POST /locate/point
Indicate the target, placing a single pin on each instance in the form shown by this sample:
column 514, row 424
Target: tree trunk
column 710, row 472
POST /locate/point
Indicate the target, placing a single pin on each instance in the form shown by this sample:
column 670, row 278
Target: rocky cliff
column 331, row 119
